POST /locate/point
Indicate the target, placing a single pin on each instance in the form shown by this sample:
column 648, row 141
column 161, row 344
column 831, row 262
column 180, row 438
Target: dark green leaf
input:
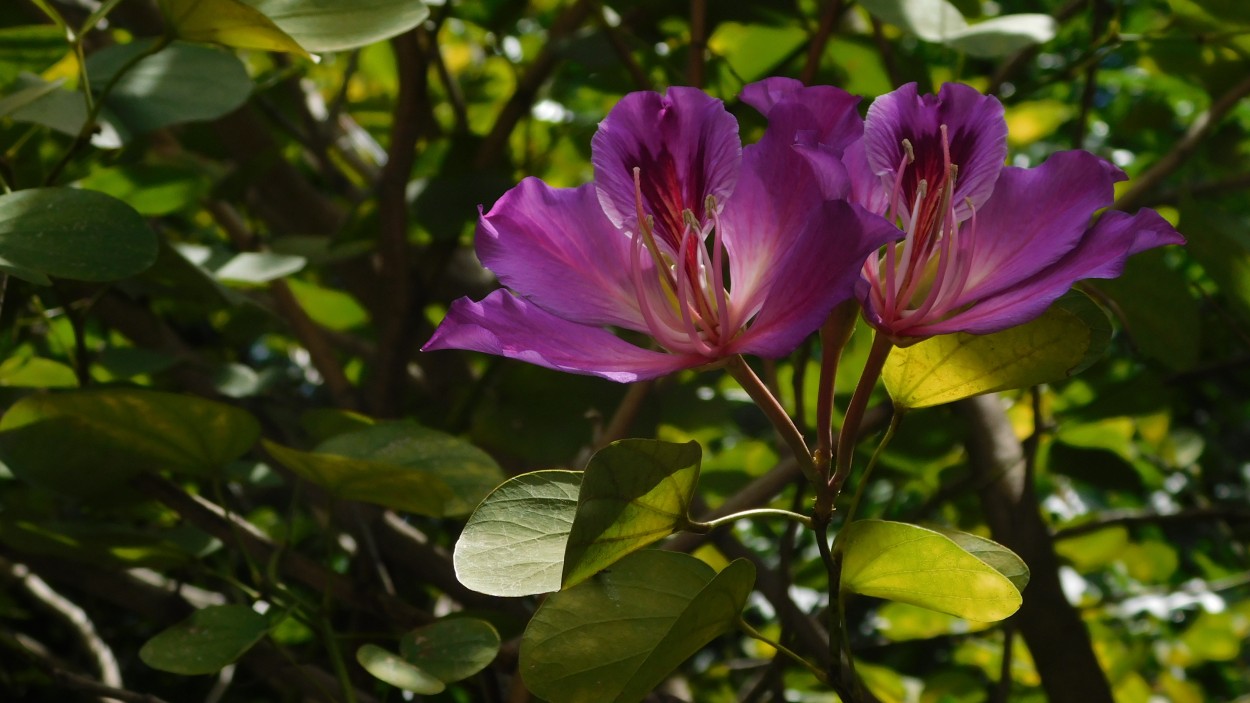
column 451, row 649
column 205, row 642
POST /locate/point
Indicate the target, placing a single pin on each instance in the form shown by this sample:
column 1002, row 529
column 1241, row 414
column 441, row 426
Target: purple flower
column 707, row 248
column 987, row 246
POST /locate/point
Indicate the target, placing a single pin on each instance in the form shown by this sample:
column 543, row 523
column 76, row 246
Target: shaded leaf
column 117, row 433
column 617, row 635
column 1066, row 339
column 205, row 642
column 72, row 233
column 513, row 544
column 911, row 564
column 451, row 649
column 995, row 555
column 634, row 492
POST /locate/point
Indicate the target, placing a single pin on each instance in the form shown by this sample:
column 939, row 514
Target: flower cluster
column 713, row 250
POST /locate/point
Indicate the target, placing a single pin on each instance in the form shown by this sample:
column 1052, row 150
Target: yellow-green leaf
column 228, row 22
column 1070, row 336
column 911, row 564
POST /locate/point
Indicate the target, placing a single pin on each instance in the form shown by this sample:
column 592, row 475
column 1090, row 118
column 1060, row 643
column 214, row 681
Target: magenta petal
column 1034, row 218
column 762, row 95
column 1101, row 253
column 505, row 325
column 976, row 130
column 686, row 147
column 817, row 115
column 819, row 269
column 555, row 247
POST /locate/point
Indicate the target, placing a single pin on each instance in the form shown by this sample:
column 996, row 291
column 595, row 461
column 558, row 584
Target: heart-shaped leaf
column 513, row 544
column 617, row 635
column 634, row 492
column 911, row 564
column 72, row 233
column 205, row 642
column 1066, row 339
column 451, row 649
column 117, row 433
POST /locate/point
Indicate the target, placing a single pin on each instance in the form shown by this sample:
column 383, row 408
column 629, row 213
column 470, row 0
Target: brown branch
column 39, row 656
column 696, row 62
column 816, row 47
column 495, row 145
column 1134, row 518
column 395, row 322
column 886, row 52
column 1183, row 148
column 1235, row 184
column 1052, row 628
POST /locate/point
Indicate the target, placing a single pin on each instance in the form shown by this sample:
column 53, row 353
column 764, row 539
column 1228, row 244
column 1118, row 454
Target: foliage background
column 351, row 186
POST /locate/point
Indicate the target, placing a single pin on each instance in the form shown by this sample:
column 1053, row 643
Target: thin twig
column 696, row 61
column 816, row 47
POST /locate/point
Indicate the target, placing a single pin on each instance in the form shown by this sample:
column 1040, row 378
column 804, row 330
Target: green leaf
column 754, row 50
column 30, row 48
column 392, row 669
column 930, row 20
column 151, row 189
column 181, row 83
column 72, row 233
column 228, row 22
column 451, row 649
column 338, row 25
column 400, row 465
column 1001, row 36
column 101, row 544
column 117, row 433
column 332, row 309
column 911, row 564
column 36, row 372
column 1065, row 340
column 513, row 544
column 248, row 267
column 634, row 492
column 1162, row 319
column 995, row 555
column 205, row 642
column 615, row 636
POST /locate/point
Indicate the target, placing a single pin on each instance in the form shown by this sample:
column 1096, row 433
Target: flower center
column 925, row 273
column 683, row 298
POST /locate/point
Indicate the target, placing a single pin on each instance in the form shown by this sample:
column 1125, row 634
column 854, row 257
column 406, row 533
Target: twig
column 626, row 412
column 1134, row 518
column 1183, row 148
column 696, row 61
column 816, row 47
column 36, row 654
column 625, row 54
column 886, row 52
column 1022, row 57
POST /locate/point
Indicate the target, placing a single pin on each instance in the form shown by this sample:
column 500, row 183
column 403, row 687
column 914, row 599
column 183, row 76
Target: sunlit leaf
column 1004, row 35
column 513, row 544
column 995, row 555
column 117, row 433
column 931, row 20
column 393, row 669
column 617, row 635
column 36, row 372
column 205, row 642
column 151, row 189
column 634, row 492
column 72, row 233
column 337, row 25
column 451, row 649
column 29, row 48
column 1066, row 339
column 228, row 22
column 911, row 564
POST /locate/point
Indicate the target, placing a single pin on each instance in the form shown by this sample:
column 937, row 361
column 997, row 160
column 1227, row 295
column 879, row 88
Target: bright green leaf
column 1094, row 550
column 332, row 309
column 29, row 48
column 151, row 189
column 911, row 564
column 995, row 555
column 205, row 642
column 181, row 83
column 617, row 635
column 392, row 669
column 117, row 433
column 754, row 50
column 338, row 25
column 513, row 544
column 72, row 233
column 1065, row 340
column 451, row 649
column 228, row 22
column 634, row 492
column 400, row 465
column 36, row 372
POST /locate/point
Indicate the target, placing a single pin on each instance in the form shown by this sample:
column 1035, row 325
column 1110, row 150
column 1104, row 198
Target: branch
column 1022, row 57
column 1184, row 147
column 1134, row 518
column 40, row 657
column 816, row 47
column 1051, row 627
column 696, row 63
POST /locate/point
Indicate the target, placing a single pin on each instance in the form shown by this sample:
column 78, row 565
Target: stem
column 336, row 658
column 703, row 527
column 841, row 665
column 767, row 402
column 861, row 488
column 834, row 336
column 881, row 346
column 756, row 634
